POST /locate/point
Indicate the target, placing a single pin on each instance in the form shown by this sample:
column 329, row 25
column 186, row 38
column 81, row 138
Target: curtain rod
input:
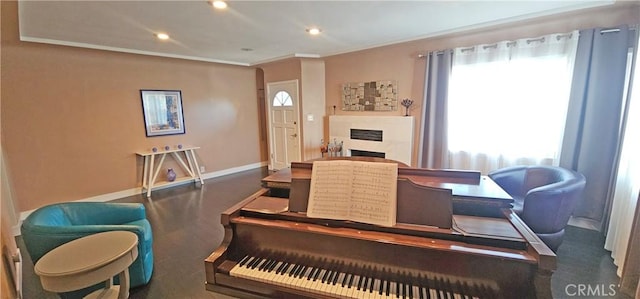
column 631, row 28
column 602, row 31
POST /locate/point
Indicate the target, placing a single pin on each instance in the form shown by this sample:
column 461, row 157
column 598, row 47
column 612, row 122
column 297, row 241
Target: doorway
column 284, row 124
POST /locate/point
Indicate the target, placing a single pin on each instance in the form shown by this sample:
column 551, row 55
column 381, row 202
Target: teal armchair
column 51, row 226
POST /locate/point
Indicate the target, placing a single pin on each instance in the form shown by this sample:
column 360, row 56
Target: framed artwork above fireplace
column 370, row 96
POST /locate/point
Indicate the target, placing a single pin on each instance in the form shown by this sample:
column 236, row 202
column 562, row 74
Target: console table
column 90, row 260
column 151, row 169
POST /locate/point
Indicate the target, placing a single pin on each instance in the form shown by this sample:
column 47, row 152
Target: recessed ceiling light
column 246, row 49
column 218, row 4
column 162, row 36
column 314, row 31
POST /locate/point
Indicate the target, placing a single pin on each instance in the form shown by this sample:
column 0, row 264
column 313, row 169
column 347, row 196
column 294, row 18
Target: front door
column 284, row 125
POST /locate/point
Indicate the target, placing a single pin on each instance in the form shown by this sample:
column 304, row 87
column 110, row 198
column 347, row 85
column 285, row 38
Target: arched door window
column 282, row 98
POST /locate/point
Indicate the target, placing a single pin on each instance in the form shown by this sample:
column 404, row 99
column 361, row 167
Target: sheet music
column 354, row 190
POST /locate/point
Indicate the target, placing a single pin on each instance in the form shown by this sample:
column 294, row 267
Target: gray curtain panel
column 592, row 132
column 433, row 136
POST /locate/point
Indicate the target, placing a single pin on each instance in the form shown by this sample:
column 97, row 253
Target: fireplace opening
column 361, row 153
column 370, row 135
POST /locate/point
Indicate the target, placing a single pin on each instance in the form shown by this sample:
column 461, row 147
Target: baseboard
column 228, row 171
column 138, row 190
column 584, row 223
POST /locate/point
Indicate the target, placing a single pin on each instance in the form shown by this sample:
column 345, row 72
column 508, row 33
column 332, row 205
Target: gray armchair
column 544, row 197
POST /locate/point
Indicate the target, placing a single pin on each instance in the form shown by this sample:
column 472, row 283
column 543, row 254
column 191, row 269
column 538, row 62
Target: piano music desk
column 473, row 194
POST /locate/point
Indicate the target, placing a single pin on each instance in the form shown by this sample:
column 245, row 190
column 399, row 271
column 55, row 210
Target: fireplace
column 390, row 137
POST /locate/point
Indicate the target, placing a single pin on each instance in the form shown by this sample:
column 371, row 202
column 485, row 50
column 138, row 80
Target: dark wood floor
column 186, row 229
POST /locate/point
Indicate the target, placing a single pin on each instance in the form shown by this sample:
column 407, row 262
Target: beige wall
column 72, row 118
column 400, row 62
column 313, row 105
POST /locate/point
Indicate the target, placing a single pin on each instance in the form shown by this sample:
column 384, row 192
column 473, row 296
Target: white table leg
column 124, row 284
column 145, row 172
column 150, row 176
column 197, row 168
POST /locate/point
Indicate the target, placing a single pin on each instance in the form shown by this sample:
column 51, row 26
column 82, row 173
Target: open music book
column 354, row 190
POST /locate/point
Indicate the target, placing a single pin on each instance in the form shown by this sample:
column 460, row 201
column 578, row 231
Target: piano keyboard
column 341, row 280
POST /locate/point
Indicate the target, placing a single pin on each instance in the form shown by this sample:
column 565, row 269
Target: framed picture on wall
column 162, row 110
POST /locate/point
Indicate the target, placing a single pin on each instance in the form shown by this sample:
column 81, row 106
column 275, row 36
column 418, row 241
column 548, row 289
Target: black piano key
column 307, row 272
column 393, row 288
column 400, row 286
column 300, row 271
column 448, row 288
column 349, row 281
column 264, row 264
column 326, row 275
column 387, row 286
column 334, row 276
column 244, row 260
column 424, row 287
column 275, row 264
column 342, row 278
column 312, row 272
column 337, row 274
column 255, row 262
column 361, row 279
column 458, row 289
column 289, row 270
column 408, row 286
column 372, row 281
column 260, row 264
column 328, row 279
column 368, row 284
column 250, row 262
column 362, row 282
column 293, row 269
column 441, row 289
column 319, row 269
column 282, row 267
column 411, row 285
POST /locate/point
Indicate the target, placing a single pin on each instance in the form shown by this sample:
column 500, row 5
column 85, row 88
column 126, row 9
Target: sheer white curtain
column 627, row 185
column 507, row 102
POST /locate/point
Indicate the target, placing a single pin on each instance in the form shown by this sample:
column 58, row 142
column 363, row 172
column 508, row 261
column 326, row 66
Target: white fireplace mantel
column 397, row 135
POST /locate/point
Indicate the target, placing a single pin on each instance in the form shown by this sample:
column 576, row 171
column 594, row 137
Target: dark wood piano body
column 473, row 194
column 486, row 257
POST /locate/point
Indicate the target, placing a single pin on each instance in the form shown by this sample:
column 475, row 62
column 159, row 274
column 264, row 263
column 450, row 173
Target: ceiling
column 254, row 32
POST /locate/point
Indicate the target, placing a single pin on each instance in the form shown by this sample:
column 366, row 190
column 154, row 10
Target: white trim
column 124, row 50
column 135, row 191
column 233, row 170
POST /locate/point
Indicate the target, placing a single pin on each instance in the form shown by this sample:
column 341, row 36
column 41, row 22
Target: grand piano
column 480, row 249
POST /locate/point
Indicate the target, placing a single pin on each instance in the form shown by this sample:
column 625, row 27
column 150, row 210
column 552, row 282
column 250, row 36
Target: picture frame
column 162, row 111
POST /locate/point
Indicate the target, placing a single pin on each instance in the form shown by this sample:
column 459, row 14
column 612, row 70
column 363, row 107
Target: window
column 507, row 104
column 282, row 98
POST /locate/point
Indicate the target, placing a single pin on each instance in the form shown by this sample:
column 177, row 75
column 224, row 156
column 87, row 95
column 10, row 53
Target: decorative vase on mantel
column 171, row 175
column 406, row 103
